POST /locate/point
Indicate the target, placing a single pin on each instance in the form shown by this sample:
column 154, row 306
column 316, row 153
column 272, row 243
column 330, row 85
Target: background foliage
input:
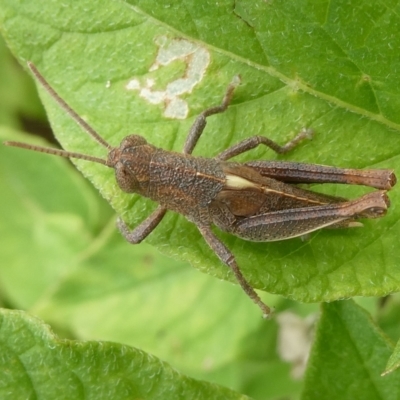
column 330, row 66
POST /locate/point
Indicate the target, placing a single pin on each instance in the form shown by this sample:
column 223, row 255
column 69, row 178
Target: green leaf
column 319, row 65
column 18, row 93
column 37, row 364
column 349, row 356
column 388, row 316
column 46, row 224
column 394, row 360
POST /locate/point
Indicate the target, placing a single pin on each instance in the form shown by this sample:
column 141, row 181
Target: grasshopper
column 256, row 200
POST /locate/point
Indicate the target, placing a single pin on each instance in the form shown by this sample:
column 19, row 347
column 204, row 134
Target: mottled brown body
column 236, row 197
column 256, row 201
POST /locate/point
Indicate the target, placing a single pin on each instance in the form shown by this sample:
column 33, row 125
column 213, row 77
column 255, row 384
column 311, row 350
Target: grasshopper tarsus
column 254, row 200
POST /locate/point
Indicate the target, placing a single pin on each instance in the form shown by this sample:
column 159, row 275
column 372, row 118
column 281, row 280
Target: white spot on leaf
column 133, row 84
column 196, row 59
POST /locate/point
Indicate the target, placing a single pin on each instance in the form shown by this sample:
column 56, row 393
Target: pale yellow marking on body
column 237, row 182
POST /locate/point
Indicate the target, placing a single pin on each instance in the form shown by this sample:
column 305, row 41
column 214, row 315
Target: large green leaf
column 46, row 225
column 349, row 356
column 18, row 94
column 394, row 360
column 328, row 66
column 37, row 364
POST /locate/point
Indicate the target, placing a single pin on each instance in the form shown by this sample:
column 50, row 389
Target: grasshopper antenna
column 74, row 116
column 66, row 107
column 57, row 152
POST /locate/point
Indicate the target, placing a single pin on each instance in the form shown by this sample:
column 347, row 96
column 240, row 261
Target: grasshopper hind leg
column 226, row 256
column 286, row 224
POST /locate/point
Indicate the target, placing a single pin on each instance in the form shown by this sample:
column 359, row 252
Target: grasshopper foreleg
column 140, row 233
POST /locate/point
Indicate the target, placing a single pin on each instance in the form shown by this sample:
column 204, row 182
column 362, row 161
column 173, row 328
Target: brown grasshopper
column 254, row 200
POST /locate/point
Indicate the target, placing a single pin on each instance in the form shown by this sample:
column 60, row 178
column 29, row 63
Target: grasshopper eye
column 125, row 179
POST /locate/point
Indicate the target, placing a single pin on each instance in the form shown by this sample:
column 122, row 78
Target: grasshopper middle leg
column 200, row 123
column 254, row 141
